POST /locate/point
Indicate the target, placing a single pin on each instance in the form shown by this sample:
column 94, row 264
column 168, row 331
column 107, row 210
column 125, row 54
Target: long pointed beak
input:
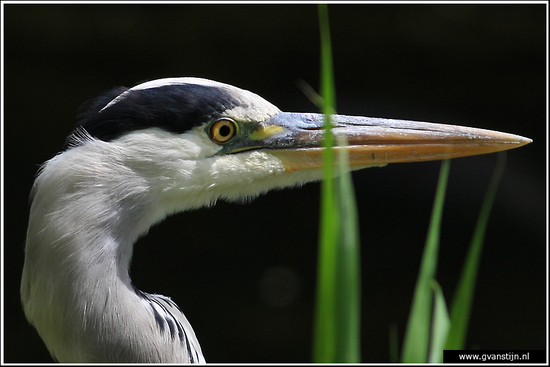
column 296, row 139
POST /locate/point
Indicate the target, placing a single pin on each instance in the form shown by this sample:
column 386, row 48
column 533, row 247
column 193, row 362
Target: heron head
column 204, row 140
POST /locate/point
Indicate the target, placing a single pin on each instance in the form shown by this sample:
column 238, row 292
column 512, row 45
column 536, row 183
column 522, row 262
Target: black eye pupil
column 225, row 130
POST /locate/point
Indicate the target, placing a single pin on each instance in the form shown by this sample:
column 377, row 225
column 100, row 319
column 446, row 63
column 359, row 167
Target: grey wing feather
column 171, row 319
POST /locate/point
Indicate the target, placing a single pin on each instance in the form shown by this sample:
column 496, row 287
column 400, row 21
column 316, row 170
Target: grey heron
column 169, row 145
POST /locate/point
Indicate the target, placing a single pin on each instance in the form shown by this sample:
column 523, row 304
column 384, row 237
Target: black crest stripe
column 175, row 108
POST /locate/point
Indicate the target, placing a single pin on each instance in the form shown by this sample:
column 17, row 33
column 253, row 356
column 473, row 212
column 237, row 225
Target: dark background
column 245, row 274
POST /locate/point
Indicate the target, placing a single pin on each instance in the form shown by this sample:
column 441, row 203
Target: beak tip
column 520, row 140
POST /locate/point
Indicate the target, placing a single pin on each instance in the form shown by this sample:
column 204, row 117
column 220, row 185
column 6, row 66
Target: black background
column 476, row 65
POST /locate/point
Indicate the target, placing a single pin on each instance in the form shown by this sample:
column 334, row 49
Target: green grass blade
column 324, row 349
column 348, row 281
column 440, row 325
column 417, row 334
column 336, row 337
column 462, row 302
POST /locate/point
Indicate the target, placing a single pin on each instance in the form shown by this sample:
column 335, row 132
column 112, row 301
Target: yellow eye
column 223, row 130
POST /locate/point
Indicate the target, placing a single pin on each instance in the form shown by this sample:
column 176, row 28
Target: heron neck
column 78, row 251
column 92, row 233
